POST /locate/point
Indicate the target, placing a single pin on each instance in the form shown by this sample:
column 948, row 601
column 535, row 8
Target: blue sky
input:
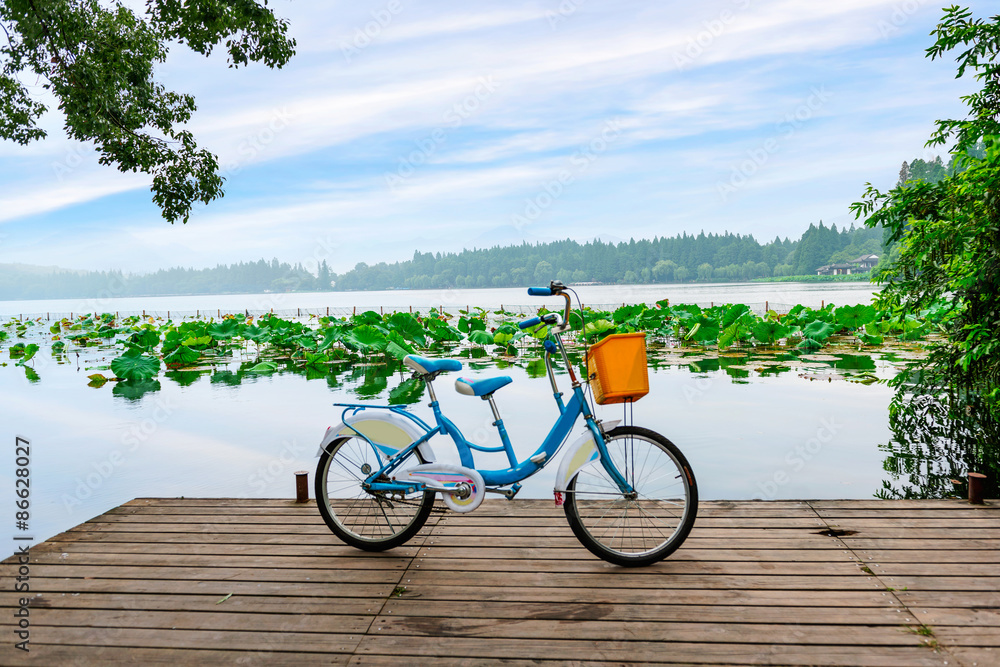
column 434, row 126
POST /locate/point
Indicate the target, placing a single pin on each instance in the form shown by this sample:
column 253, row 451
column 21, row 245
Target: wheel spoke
column 643, row 527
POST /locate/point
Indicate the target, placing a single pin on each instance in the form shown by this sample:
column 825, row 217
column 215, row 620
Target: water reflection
column 937, row 441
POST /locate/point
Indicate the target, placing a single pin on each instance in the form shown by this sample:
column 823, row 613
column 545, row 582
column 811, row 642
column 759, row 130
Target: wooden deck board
column 263, row 582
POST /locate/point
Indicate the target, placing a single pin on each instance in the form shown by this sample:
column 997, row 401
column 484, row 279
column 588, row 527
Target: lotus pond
column 764, row 405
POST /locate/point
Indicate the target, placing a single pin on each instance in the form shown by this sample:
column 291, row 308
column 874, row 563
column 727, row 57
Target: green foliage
column 948, row 233
column 134, row 366
column 182, row 355
column 99, row 63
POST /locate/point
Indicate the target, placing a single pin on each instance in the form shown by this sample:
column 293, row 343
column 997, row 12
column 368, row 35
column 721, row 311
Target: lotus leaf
column 223, row 330
column 481, row 338
column 408, row 327
column 504, row 334
column 734, row 313
column 852, row 317
column 198, row 342
column 255, row 333
column 132, row 366
column 368, row 317
column 396, row 346
column 58, row 347
column 365, row 338
column 818, row 330
column 769, row 332
column 263, row 367
column 625, row 313
column 704, row 329
column 182, row 355
column 442, row 331
column 31, row 374
column 97, row 380
column 598, row 327
column 144, row 339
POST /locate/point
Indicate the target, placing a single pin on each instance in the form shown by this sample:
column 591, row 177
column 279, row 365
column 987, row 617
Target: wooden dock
column 264, row 582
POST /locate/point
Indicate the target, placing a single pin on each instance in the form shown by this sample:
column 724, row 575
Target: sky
column 437, row 126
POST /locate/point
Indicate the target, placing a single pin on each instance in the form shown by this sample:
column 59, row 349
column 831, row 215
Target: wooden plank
column 49, row 622
column 112, row 656
column 631, row 630
column 617, row 611
column 320, row 641
column 415, row 650
column 638, row 597
column 855, row 581
column 201, row 602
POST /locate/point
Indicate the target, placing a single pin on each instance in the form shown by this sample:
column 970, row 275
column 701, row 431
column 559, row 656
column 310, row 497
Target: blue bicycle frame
column 569, row 412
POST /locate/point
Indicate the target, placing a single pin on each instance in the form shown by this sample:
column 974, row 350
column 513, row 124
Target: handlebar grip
column 539, row 291
column 530, row 322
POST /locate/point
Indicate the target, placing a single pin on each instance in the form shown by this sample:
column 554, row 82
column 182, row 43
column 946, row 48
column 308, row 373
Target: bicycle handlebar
column 530, row 322
column 539, row 291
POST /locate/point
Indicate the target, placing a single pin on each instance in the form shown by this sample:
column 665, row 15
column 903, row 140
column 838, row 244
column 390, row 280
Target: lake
column 749, row 431
column 775, row 294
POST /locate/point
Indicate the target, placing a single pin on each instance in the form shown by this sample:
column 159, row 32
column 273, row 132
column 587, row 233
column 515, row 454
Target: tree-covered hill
column 684, row 258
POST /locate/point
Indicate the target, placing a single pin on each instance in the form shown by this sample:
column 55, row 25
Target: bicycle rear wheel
column 640, row 528
column 373, row 521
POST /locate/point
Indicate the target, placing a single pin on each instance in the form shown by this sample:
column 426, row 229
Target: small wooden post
column 976, row 483
column 822, row 304
column 143, row 314
column 765, row 307
column 355, row 311
column 328, row 311
column 301, row 486
column 219, row 312
column 168, row 314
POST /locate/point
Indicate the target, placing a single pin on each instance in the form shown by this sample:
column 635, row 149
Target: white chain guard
column 444, row 474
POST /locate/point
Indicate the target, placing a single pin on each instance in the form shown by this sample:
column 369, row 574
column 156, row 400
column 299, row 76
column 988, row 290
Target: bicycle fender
column 387, row 431
column 582, row 453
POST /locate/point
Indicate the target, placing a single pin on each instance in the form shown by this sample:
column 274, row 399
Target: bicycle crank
column 462, row 489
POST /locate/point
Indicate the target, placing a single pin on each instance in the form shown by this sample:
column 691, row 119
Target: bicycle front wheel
column 639, row 528
column 373, row 521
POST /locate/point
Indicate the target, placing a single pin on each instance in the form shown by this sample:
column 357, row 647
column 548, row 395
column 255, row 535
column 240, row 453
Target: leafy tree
column 949, row 232
column 98, row 60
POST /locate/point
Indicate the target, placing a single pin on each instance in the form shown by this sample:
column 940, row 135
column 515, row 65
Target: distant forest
column 685, row 258
column 24, row 282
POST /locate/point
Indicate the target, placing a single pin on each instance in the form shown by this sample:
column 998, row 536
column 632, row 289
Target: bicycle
column 629, row 494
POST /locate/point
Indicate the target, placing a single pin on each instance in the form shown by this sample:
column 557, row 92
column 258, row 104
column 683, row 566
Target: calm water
column 806, row 433
column 776, row 294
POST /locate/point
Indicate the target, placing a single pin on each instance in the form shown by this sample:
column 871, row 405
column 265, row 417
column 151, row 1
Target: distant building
column 859, row 265
column 865, row 262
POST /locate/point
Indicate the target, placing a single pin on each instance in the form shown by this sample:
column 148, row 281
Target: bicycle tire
column 644, row 529
column 363, row 519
